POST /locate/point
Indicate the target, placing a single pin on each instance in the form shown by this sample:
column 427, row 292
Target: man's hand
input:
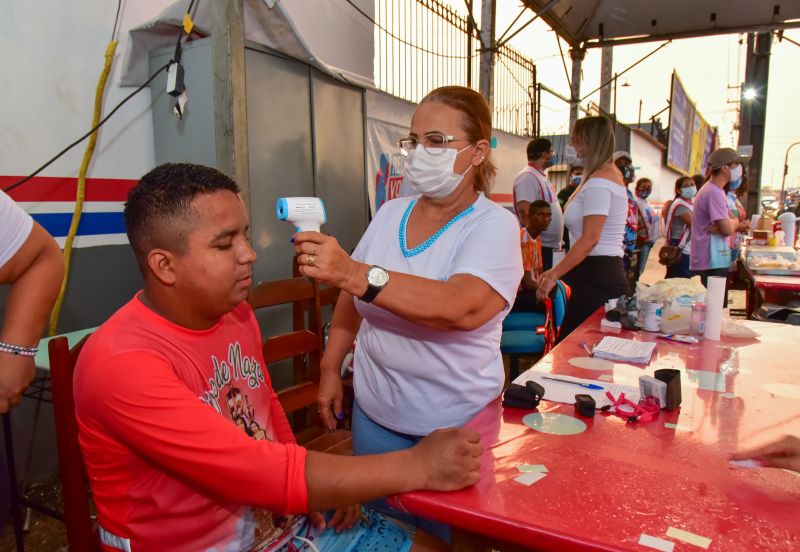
column 16, row 372
column 448, row 459
column 343, row 518
column 784, row 453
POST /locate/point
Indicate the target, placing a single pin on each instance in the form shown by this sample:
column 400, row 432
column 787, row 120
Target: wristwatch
column 377, row 278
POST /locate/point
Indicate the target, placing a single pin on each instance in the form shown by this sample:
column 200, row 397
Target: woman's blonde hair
column 597, row 134
column 476, row 121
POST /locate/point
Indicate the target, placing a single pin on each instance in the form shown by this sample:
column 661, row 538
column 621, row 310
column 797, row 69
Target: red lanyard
column 646, row 410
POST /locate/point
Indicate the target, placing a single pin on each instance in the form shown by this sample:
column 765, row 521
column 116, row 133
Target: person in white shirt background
column 426, row 289
column 595, row 216
column 532, row 184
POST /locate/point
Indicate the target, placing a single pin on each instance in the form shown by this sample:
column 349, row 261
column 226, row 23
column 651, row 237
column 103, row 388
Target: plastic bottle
column 697, row 321
column 788, row 224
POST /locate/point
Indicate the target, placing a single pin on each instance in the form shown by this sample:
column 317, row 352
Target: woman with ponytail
column 595, row 216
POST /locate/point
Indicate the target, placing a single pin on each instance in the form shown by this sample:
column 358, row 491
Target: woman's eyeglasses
column 435, row 143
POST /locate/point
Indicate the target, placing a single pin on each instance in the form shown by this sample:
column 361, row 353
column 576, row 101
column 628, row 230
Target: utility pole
column 606, row 69
column 230, row 100
column 754, row 110
column 470, row 30
column 577, row 55
column 488, row 13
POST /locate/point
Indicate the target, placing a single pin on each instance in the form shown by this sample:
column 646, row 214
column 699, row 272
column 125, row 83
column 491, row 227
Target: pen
column 586, row 385
column 586, row 348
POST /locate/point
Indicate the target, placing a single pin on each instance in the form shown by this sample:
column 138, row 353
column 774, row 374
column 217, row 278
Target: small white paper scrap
column 749, row 463
column 530, row 478
column 686, row 536
column 656, row 543
column 525, row 468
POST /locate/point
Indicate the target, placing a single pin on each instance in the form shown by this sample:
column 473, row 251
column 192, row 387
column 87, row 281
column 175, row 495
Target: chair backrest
column 556, row 305
column 81, row 533
column 304, row 343
column 560, row 302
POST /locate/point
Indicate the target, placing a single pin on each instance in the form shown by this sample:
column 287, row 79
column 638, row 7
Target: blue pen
column 585, row 385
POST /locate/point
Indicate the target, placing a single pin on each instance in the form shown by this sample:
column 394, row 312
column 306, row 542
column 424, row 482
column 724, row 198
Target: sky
column 712, row 81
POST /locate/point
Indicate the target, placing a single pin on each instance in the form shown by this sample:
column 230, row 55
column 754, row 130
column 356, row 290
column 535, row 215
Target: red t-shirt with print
column 185, row 443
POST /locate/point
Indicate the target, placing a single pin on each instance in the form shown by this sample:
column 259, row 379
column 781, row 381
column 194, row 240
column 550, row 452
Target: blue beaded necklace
column 429, row 242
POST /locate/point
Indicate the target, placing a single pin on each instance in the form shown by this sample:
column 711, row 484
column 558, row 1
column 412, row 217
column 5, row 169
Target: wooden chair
column 304, row 346
column 81, row 531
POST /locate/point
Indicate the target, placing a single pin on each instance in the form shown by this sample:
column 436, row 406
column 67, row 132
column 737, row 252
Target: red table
column 764, row 288
column 617, row 480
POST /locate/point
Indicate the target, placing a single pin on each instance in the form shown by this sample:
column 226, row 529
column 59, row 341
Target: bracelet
column 17, row 350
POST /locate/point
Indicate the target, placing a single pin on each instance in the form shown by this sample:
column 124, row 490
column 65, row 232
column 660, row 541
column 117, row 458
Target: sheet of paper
column 564, row 391
column 625, row 350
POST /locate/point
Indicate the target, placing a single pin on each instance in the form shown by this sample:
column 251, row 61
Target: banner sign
column 384, row 162
column 691, row 138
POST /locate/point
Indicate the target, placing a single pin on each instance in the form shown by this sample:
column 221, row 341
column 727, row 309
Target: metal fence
column 423, row 44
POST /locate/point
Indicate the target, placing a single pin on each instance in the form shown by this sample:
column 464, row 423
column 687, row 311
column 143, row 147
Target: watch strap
column 371, row 293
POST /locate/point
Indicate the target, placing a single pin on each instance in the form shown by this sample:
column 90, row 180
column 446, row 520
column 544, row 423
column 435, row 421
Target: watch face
column 377, row 277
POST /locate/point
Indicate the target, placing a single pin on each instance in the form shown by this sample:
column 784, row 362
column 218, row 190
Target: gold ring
column 310, row 260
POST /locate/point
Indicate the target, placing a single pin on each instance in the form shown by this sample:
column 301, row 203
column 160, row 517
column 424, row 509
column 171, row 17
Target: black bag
column 668, row 255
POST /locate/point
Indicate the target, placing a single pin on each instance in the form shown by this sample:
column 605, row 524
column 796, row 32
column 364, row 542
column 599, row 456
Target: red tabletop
column 782, row 283
column 612, row 483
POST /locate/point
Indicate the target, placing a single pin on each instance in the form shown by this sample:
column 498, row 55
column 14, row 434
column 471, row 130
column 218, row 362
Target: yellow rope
column 87, row 157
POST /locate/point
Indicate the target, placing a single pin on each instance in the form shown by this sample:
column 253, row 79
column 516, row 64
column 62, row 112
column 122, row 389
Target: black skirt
column 593, row 282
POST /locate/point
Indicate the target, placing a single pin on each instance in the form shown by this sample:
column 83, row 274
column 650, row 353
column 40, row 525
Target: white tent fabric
column 592, row 23
column 266, row 22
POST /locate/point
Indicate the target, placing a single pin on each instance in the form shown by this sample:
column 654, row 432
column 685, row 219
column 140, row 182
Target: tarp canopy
column 592, row 23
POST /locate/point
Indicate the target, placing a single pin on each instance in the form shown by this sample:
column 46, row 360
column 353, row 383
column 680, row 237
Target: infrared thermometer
column 307, row 214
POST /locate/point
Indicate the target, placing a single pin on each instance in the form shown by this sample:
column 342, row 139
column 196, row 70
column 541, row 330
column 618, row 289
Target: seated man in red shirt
column 185, row 442
column 539, row 217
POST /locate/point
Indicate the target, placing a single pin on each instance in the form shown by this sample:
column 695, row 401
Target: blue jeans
column 372, row 438
column 644, row 253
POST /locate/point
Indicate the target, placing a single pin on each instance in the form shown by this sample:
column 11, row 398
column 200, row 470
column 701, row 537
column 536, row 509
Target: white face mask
column 736, row 172
column 432, row 175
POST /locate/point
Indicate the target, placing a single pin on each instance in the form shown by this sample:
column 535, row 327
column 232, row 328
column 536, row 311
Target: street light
column 750, row 94
column 786, row 170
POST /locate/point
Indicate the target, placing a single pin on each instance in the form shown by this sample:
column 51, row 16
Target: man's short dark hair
column 537, row 147
column 538, row 204
column 699, row 180
column 158, row 208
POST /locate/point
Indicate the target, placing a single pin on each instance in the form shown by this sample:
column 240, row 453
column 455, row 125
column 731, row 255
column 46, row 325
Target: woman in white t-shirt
column 427, row 288
column 595, row 216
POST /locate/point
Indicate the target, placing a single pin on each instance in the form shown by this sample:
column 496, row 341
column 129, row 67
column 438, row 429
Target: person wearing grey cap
column 712, row 223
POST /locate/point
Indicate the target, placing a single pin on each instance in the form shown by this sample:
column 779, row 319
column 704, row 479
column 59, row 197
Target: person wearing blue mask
column 575, row 176
column 713, row 224
column 426, row 289
column 649, row 225
column 678, row 226
column 624, row 162
column 734, row 190
column 532, row 184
